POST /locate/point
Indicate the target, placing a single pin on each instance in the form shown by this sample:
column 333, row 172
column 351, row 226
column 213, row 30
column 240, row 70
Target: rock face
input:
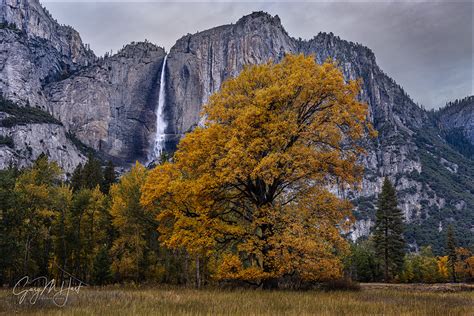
column 35, row 50
column 30, row 140
column 458, row 115
column 110, row 105
column 199, row 64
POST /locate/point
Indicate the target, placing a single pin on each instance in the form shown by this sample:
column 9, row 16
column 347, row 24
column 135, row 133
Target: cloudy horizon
column 426, row 47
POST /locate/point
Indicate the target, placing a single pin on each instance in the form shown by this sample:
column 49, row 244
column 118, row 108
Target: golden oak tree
column 250, row 190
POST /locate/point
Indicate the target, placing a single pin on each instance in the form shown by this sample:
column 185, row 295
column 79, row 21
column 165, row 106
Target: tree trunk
column 27, row 255
column 386, row 253
column 267, row 233
column 186, row 269
column 198, row 275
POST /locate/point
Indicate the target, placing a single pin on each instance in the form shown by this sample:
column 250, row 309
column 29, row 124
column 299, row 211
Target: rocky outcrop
column 35, row 50
column 199, row 63
column 110, row 106
column 29, row 17
column 28, row 141
column 458, row 115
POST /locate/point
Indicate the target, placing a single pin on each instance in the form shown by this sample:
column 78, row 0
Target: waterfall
column 160, row 120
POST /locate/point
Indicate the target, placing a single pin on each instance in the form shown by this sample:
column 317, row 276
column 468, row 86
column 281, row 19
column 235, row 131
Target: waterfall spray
column 160, row 120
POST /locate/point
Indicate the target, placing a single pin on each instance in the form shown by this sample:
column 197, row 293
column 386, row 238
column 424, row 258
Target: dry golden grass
column 114, row 300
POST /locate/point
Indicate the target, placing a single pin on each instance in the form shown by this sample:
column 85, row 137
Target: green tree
column 362, row 263
column 92, row 172
column 62, row 206
column 421, row 267
column 35, row 190
column 109, row 177
column 451, row 251
column 10, row 224
column 88, row 227
column 134, row 250
column 76, row 178
column 101, row 271
column 388, row 232
column 88, row 175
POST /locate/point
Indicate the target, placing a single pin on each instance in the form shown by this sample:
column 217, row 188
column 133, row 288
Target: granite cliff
column 110, row 105
column 34, row 51
column 456, row 120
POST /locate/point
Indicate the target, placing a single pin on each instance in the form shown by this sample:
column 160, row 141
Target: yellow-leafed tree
column 133, row 256
column 251, row 190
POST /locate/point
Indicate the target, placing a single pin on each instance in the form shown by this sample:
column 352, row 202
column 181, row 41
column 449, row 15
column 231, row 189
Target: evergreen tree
column 92, row 175
column 76, row 178
column 388, row 232
column 10, row 223
column 451, row 251
column 101, row 269
column 109, row 177
column 88, row 176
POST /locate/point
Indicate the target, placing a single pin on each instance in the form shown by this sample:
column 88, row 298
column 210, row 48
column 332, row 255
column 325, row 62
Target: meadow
column 373, row 299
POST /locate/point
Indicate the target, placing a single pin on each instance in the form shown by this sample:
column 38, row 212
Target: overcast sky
column 427, row 47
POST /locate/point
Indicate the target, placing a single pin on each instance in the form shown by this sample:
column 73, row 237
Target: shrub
column 341, row 285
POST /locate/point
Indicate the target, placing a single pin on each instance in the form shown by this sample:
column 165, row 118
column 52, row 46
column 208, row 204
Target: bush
column 422, row 267
column 341, row 285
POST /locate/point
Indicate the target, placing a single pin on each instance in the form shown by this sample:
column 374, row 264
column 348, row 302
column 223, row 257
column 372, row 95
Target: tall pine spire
column 388, row 232
column 451, row 251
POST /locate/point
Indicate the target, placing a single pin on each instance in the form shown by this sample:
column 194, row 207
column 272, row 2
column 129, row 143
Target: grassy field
column 371, row 300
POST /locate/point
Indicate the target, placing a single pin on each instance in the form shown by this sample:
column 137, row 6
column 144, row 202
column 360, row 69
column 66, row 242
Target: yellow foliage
column 250, row 189
column 134, row 225
column 443, row 268
column 464, row 267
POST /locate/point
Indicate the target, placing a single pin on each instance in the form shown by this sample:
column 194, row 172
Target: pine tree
column 388, row 232
column 92, row 173
column 76, row 178
column 451, row 251
column 109, row 177
column 88, row 176
column 101, row 269
column 10, row 226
